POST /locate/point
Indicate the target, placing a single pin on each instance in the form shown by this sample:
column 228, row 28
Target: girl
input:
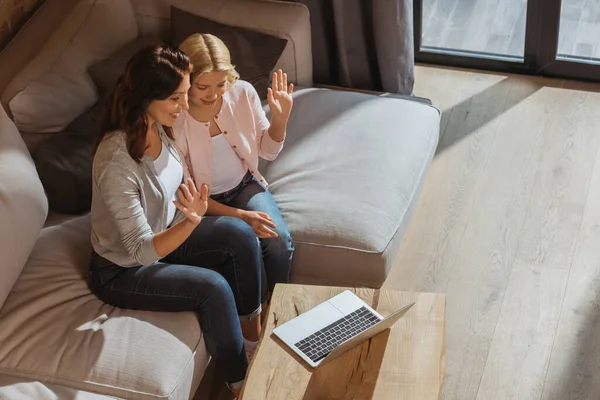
column 221, row 137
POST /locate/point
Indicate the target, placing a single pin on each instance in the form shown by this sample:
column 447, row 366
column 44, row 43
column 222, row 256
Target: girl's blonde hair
column 208, row 53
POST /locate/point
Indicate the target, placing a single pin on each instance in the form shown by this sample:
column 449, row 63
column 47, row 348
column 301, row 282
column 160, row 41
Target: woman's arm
column 169, row 240
column 121, row 195
column 193, row 204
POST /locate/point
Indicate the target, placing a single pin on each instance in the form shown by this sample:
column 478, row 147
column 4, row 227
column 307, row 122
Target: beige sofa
column 57, row 341
column 346, row 182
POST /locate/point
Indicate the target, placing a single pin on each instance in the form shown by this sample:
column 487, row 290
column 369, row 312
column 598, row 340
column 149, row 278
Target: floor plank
column 522, row 343
column 466, row 356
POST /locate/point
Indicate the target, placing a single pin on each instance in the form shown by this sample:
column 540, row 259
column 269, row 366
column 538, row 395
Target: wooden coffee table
column 405, row 362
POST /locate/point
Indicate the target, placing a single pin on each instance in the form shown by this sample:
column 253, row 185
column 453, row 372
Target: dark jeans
column 216, row 272
column 277, row 252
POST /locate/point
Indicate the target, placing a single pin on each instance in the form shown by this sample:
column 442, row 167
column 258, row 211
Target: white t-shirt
column 227, row 168
column 170, row 174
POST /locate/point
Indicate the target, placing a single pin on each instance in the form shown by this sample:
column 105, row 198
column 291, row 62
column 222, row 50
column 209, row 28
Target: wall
column 13, row 14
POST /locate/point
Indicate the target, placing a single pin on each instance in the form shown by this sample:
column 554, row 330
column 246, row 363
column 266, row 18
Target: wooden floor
column 498, row 26
column 508, row 225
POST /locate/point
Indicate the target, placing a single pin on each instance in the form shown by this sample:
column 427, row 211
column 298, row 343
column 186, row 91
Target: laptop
column 334, row 327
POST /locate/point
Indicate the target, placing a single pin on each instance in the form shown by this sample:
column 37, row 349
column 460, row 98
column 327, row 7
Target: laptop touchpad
column 311, row 321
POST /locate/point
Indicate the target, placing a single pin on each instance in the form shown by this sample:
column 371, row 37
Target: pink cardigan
column 244, row 124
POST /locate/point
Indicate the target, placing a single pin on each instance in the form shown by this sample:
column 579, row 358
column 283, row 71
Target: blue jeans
column 277, row 252
column 216, row 272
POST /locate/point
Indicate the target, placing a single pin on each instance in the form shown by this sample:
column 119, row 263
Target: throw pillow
column 253, row 53
column 106, row 73
column 54, row 88
column 64, row 163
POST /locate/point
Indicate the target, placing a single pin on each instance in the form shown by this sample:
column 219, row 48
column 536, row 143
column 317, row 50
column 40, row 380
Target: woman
column 221, row 137
column 153, row 250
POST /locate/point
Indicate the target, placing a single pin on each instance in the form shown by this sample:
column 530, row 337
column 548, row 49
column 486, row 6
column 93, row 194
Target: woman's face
column 208, row 89
column 166, row 111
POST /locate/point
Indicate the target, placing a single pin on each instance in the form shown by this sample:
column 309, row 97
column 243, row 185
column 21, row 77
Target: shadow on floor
column 471, row 114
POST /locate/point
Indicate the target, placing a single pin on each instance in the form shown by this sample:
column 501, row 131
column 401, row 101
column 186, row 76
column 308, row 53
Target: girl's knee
column 238, row 230
column 243, row 240
column 285, row 240
column 282, row 243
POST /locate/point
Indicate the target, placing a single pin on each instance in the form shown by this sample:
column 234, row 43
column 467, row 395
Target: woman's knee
column 219, row 294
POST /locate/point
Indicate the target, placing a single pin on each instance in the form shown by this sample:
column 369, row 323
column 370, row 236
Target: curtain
column 363, row 44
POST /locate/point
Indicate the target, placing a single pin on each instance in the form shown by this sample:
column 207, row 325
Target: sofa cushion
column 253, row 53
column 54, row 88
column 21, row 388
column 346, row 180
column 64, row 163
column 54, row 330
column 23, row 205
column 106, row 73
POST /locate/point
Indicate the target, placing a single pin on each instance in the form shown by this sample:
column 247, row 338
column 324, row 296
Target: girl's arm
column 260, row 222
column 216, row 208
column 280, row 102
column 270, row 135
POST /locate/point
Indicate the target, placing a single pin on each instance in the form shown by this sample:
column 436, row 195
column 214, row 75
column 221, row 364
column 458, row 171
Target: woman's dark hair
column 153, row 73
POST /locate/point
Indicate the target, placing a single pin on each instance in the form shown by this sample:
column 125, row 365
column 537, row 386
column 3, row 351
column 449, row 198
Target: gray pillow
column 105, row 73
column 253, row 53
column 64, row 163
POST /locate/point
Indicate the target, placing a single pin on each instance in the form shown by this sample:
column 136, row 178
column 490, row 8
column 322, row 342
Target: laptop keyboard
column 321, row 343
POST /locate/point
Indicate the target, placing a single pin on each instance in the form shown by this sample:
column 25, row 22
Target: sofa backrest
column 23, row 205
column 30, row 40
column 54, row 87
column 287, row 20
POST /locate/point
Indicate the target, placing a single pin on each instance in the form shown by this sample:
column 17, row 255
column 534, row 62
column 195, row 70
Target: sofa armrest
column 377, row 93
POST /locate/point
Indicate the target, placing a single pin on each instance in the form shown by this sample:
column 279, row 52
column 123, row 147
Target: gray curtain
column 363, row 44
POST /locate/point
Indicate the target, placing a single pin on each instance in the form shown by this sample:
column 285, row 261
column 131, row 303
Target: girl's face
column 166, row 111
column 207, row 90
